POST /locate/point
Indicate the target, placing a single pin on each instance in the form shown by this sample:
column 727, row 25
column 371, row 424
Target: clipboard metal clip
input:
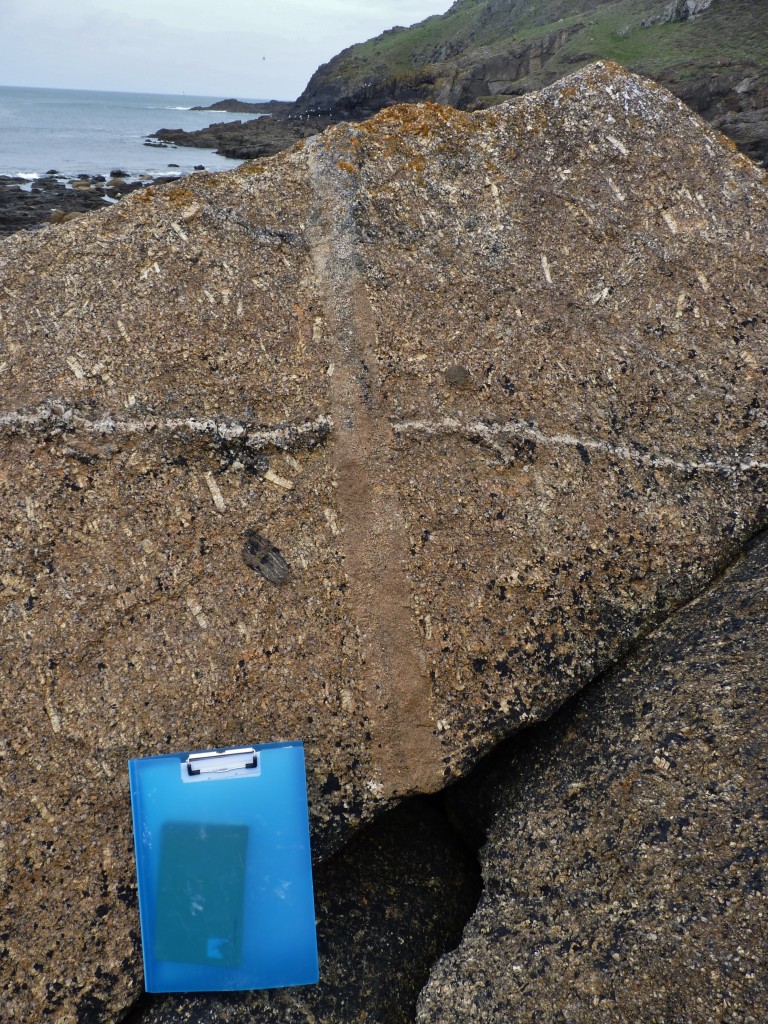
column 213, row 763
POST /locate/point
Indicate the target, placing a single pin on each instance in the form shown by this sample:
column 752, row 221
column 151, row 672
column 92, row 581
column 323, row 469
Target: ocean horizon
column 83, row 131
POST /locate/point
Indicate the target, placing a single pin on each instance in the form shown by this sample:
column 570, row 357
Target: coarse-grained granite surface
column 270, row 349
column 625, row 867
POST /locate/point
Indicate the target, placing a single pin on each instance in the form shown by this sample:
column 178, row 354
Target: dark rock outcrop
column 48, row 200
column 269, row 349
column 245, row 107
column 263, row 136
column 624, row 871
column 22, row 206
column 733, row 98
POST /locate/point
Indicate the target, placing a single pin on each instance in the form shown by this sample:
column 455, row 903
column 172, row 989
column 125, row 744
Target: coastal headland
column 710, row 54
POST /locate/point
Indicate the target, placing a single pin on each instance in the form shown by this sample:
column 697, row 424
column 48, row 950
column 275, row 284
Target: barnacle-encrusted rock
column 269, row 347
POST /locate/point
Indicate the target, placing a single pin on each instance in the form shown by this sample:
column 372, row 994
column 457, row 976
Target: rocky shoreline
column 248, row 140
column 56, row 198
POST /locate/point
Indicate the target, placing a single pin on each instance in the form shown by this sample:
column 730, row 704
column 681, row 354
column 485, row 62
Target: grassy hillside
column 728, row 32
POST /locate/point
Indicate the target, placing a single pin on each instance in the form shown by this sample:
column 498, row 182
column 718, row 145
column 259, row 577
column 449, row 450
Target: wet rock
column 32, row 206
column 27, row 207
column 387, row 906
column 624, row 868
column 267, row 348
column 458, row 376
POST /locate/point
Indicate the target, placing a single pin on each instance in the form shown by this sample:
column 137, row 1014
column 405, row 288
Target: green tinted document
column 200, row 893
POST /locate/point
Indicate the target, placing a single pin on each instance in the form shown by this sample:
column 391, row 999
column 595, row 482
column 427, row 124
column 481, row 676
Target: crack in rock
column 375, row 540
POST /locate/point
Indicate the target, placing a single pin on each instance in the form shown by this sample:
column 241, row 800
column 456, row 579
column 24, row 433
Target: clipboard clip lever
column 217, row 762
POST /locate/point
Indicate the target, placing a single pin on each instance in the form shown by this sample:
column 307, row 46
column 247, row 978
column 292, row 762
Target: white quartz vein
column 57, row 416
column 493, row 433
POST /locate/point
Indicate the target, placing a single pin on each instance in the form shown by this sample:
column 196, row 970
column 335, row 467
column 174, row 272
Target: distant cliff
column 711, row 53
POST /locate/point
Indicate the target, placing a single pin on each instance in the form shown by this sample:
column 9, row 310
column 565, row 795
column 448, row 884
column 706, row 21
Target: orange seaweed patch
column 180, row 195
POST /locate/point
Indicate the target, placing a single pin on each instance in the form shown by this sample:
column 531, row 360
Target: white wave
column 30, row 176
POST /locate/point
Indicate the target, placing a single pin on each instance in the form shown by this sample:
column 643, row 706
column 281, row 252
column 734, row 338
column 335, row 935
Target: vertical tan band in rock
column 373, row 537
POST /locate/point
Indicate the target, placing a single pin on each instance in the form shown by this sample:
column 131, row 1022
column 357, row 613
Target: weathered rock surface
column 624, row 874
column 268, row 348
column 390, row 903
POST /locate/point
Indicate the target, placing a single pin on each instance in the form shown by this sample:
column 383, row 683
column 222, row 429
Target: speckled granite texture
column 625, row 869
column 270, row 349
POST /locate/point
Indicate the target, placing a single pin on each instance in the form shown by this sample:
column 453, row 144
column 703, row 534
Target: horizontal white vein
column 494, row 432
column 59, row 416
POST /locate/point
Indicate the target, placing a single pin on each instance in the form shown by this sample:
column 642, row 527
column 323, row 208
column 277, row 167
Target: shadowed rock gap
column 466, row 808
column 467, row 802
column 625, row 838
column 389, row 904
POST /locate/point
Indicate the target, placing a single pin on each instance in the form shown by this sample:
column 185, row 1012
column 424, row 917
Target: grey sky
column 245, row 48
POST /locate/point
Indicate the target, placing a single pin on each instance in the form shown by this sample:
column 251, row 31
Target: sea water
column 76, row 131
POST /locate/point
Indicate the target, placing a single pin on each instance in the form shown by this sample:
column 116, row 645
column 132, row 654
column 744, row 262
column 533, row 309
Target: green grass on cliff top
column 729, row 31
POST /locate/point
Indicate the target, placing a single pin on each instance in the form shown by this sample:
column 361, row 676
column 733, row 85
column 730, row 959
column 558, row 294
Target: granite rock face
column 624, row 873
column 388, row 905
column 269, row 350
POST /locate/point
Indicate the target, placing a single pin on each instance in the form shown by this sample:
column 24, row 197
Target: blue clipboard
column 224, row 869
